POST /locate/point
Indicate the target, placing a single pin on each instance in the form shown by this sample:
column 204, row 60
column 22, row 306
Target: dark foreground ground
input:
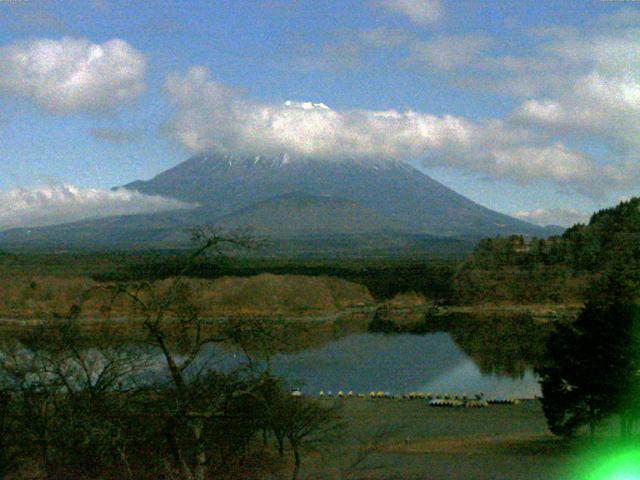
column 407, row 439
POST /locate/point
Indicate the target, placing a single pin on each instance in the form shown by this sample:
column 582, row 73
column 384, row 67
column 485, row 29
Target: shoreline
column 538, row 312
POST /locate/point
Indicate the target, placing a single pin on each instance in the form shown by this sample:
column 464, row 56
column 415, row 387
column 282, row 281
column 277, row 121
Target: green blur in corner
column 620, row 464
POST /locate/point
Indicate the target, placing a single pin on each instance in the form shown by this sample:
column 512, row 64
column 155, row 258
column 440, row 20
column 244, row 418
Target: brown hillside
column 265, row 294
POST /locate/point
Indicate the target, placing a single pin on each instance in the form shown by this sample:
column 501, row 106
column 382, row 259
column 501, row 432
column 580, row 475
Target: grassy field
column 407, row 439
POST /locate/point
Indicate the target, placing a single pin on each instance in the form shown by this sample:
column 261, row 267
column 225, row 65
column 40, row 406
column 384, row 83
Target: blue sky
column 530, row 107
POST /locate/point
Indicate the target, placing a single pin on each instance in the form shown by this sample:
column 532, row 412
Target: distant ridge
column 291, row 198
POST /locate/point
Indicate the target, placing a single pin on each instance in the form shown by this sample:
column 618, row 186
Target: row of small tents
column 472, row 403
column 436, row 400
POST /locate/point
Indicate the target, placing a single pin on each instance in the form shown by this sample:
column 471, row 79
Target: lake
column 495, row 357
column 399, row 363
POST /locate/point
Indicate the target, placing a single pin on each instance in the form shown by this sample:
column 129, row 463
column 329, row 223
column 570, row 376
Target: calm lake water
column 493, row 357
column 401, row 363
column 397, row 363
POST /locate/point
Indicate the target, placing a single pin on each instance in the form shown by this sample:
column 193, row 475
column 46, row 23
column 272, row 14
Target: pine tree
column 591, row 368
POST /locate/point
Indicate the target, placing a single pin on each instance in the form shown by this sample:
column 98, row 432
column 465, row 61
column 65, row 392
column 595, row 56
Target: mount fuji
column 284, row 197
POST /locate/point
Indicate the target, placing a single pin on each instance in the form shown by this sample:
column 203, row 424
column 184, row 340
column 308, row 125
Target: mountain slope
column 404, row 196
column 297, row 214
column 125, row 231
column 318, row 206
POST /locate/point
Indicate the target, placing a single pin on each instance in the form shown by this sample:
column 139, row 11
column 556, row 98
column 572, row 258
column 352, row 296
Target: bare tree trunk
column 201, row 455
column 45, row 460
column 176, row 374
column 297, row 460
column 280, row 441
column 175, row 451
column 125, row 462
column 44, row 446
column 44, row 441
column 181, row 387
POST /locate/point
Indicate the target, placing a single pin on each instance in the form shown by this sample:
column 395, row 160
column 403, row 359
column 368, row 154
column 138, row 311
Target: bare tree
column 305, row 423
column 90, row 413
column 309, row 425
column 172, row 322
column 8, row 450
column 67, row 400
column 366, row 447
column 33, row 391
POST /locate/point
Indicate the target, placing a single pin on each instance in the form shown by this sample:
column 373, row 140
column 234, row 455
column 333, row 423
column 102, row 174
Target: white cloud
column 421, row 12
column 72, row 75
column 212, row 117
column 556, row 59
column 606, row 105
column 52, row 205
column 599, row 101
column 602, row 78
column 349, row 49
column 449, row 52
column 565, row 217
column 574, row 83
column 553, row 161
column 575, row 86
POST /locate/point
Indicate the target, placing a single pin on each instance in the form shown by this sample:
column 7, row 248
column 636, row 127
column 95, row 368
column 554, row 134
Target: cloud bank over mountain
column 210, row 116
column 50, row 205
column 542, row 103
column 575, row 91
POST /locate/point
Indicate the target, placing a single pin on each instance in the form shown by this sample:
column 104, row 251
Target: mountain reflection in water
column 455, row 356
column 491, row 356
column 398, row 363
column 502, row 346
